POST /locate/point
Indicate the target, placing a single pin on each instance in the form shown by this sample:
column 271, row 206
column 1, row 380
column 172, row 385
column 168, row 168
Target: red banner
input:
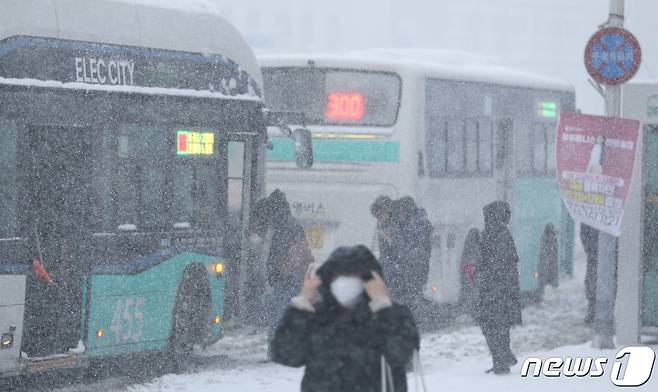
column 595, row 157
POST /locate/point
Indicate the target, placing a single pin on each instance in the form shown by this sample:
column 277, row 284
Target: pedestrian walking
column 344, row 328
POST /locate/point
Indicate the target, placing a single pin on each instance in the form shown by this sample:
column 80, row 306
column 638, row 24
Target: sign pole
column 606, row 275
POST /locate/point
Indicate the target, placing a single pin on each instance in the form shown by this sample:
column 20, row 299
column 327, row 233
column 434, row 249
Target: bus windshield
column 155, row 190
column 334, row 97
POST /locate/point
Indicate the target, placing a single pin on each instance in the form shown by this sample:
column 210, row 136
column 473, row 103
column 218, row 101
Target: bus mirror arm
column 303, row 140
column 302, row 137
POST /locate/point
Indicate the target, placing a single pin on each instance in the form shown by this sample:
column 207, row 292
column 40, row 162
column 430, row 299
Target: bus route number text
column 128, row 320
column 342, row 106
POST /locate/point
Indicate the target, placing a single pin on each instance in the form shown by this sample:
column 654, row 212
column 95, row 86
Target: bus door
column 56, row 172
column 503, row 159
column 650, row 229
column 241, row 189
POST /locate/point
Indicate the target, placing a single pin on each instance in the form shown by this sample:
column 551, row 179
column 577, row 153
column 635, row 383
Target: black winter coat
column 497, row 275
column 342, row 349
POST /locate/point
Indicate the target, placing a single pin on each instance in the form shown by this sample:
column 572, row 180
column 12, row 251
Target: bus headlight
column 7, row 341
column 217, row 269
column 216, row 320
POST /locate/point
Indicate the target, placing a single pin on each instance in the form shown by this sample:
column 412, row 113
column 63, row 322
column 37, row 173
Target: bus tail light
column 100, row 333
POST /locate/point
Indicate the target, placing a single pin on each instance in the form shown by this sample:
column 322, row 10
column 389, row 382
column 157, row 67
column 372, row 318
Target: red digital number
column 345, row 107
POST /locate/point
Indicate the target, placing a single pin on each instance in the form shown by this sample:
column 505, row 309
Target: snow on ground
column 453, row 359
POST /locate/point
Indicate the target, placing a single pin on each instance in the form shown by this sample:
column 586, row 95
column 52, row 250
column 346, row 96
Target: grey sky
column 544, row 36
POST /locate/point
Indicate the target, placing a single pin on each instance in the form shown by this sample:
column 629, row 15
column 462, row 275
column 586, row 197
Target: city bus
column 132, row 134
column 453, row 130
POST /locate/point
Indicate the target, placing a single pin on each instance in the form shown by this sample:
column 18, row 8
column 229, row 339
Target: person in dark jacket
column 382, row 210
column 341, row 337
column 283, row 249
column 411, row 252
column 497, row 280
column 589, row 237
column 548, row 259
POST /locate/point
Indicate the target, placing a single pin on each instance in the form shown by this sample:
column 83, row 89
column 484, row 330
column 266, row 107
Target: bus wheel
column 191, row 317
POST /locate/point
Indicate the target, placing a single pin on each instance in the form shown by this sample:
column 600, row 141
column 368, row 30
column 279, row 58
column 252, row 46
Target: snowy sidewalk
column 454, row 358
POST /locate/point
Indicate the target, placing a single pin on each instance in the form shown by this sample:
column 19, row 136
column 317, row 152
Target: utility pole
column 606, row 272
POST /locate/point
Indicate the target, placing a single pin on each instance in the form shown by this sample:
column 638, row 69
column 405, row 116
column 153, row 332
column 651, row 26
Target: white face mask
column 347, row 290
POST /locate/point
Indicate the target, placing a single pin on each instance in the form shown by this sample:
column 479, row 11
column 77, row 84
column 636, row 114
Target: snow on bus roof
column 180, row 5
column 157, row 24
column 453, row 65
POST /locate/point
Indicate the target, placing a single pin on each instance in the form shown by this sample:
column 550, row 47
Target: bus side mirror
column 303, row 148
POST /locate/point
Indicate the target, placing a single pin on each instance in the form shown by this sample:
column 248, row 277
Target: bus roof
column 179, row 25
column 440, row 64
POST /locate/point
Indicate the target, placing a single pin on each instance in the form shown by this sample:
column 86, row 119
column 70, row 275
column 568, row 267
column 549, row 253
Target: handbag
column 419, row 376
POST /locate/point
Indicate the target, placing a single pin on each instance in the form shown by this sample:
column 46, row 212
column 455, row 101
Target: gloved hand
column 378, row 293
column 311, row 283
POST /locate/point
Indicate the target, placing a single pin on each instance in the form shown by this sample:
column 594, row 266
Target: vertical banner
column 595, row 157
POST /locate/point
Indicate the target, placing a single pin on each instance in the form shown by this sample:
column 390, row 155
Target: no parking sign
column 612, row 56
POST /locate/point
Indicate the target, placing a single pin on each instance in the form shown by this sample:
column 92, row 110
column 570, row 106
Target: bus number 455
column 128, row 320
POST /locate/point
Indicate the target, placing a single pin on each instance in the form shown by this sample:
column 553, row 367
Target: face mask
column 347, row 290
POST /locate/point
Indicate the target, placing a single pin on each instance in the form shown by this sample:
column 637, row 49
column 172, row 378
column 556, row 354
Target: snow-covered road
column 453, row 358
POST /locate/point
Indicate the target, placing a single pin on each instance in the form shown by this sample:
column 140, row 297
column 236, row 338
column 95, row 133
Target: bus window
column 550, row 148
column 140, row 177
column 459, row 146
column 455, row 146
column 537, row 152
column 235, row 174
column 157, row 187
column 539, row 149
column 8, row 180
column 485, row 146
column 471, row 136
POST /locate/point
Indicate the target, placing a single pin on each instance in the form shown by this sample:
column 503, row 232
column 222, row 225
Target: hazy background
column 544, row 36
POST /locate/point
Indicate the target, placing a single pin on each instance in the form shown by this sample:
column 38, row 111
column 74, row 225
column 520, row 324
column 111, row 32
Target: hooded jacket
column 497, row 275
column 342, row 348
column 289, row 254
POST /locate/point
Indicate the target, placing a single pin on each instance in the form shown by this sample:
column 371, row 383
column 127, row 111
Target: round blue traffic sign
column 612, row 56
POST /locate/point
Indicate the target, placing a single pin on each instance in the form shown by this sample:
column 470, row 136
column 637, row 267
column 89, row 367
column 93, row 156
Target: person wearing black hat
column 342, row 336
column 497, row 281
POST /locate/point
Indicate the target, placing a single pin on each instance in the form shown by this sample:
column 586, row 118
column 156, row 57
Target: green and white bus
column 453, row 130
column 130, row 133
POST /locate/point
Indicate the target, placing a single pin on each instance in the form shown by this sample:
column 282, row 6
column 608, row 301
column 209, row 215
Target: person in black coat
column 411, row 252
column 497, row 279
column 548, row 259
column 341, row 337
column 280, row 240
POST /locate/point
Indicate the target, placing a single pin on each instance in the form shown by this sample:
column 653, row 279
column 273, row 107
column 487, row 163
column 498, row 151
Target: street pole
column 606, row 274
